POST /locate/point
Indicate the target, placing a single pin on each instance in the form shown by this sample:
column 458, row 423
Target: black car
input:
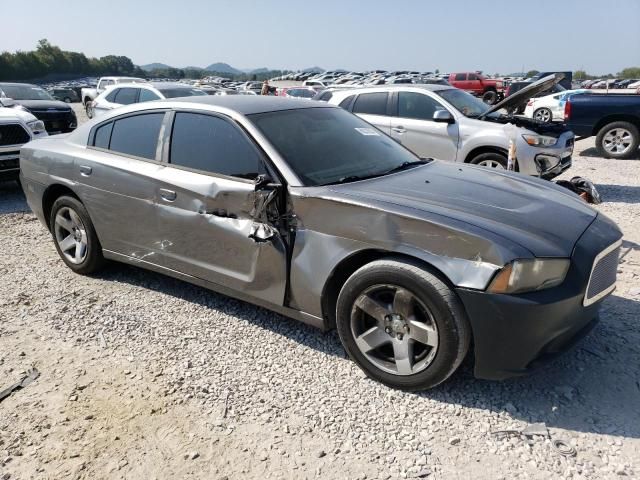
column 66, row 95
column 58, row 117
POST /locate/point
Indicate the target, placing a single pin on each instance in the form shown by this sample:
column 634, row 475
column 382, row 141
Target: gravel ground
column 143, row 376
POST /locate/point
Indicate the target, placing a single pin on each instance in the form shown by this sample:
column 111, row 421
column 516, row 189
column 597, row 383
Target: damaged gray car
column 307, row 210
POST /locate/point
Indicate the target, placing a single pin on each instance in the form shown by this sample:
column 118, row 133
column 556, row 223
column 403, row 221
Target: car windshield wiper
column 352, row 178
column 406, row 165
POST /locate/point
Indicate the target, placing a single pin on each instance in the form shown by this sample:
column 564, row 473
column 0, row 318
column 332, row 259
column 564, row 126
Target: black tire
column 490, row 97
column 93, row 260
column 489, row 157
column 629, row 127
column 454, row 332
column 88, row 109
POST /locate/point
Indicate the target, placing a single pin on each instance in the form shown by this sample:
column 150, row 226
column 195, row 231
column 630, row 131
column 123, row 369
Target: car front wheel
column 74, row 236
column 89, row 109
column 543, row 114
column 402, row 325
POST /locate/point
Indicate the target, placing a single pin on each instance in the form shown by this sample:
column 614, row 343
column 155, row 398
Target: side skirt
column 282, row 310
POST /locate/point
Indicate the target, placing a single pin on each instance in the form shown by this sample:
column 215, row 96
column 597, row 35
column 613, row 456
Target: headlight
column 36, row 126
column 540, row 140
column 530, row 275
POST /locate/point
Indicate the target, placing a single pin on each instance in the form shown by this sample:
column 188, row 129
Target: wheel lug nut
column 399, row 336
column 388, row 330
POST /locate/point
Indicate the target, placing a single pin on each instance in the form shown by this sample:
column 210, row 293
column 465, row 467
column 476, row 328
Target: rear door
column 413, row 126
column 212, row 216
column 374, row 108
column 116, row 175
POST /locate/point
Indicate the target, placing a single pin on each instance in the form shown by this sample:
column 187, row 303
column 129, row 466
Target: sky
column 493, row 36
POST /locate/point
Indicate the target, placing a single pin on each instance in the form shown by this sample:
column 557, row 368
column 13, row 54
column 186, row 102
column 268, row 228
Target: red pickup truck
column 490, row 90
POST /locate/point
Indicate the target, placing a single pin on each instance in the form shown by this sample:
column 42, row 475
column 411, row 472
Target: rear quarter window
column 137, row 135
column 371, row 104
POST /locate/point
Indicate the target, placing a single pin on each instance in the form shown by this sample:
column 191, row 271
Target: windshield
column 330, row 145
column 466, row 103
column 302, row 92
column 25, row 92
column 181, row 92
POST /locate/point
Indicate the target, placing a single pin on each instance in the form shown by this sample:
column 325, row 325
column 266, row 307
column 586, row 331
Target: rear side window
column 126, row 96
column 137, row 135
column 416, row 105
column 346, row 103
column 371, row 104
column 461, row 76
column 111, row 97
column 102, row 136
column 214, row 145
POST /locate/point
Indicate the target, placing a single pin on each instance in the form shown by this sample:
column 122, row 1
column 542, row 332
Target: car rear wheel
column 402, row 325
column 491, row 160
column 489, row 97
column 618, row 140
column 74, row 236
column 543, row 114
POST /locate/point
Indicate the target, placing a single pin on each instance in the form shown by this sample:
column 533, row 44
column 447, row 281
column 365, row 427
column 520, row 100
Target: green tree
column 532, row 73
column 631, row 72
column 580, row 75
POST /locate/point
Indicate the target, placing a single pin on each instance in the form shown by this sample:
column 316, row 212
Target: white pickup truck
column 89, row 94
column 17, row 127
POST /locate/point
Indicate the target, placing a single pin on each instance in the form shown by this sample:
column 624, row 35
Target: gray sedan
column 307, row 210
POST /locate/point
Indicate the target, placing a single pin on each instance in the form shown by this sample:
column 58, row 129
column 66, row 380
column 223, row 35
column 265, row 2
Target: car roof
column 248, row 104
column 18, row 84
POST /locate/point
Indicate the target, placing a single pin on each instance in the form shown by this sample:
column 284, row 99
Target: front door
column 212, row 213
column 415, row 129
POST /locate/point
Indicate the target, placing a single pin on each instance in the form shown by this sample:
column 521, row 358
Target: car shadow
column 12, row 199
column 619, row 193
column 592, row 152
column 593, row 388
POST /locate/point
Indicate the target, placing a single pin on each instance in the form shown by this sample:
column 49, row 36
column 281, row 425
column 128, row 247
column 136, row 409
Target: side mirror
column 265, row 182
column 443, row 116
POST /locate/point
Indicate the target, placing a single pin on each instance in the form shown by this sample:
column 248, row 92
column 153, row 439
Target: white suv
column 17, row 127
column 446, row 123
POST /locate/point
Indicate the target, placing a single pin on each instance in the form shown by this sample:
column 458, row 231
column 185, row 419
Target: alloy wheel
column 617, row 141
column 543, row 114
column 71, row 235
column 491, row 164
column 394, row 329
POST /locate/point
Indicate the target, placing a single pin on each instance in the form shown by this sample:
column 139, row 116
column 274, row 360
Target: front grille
column 56, row 120
column 603, row 275
column 11, row 164
column 13, row 134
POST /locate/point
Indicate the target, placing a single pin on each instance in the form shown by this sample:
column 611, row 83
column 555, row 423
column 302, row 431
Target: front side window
column 330, row 145
column 148, row 95
column 416, row 105
column 126, row 96
column 214, row 145
column 473, row 76
column 371, row 103
column 137, row 135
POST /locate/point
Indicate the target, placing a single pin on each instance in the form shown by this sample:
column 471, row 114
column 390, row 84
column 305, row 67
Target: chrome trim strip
column 590, row 301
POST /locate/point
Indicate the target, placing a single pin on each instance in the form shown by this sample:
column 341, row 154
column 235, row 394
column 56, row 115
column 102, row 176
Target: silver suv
column 446, row 123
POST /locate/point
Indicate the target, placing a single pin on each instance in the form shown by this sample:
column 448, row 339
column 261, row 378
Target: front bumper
column 513, row 334
column 545, row 162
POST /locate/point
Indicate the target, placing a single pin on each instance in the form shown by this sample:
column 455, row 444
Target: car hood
column 16, row 114
column 540, row 216
column 44, row 105
column 513, row 101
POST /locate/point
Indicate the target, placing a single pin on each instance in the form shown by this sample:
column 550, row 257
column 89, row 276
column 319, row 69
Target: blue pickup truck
column 614, row 119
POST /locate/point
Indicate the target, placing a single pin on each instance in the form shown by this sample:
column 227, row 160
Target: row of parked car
column 611, row 83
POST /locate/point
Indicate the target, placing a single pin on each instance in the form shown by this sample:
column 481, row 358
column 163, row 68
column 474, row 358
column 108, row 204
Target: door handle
column 85, row 170
column 168, row 195
column 399, row 129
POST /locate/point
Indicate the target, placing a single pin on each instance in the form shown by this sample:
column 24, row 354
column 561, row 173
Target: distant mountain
column 259, row 70
column 223, row 68
column 154, row 66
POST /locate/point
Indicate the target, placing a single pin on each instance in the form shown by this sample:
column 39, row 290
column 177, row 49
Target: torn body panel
column 324, row 238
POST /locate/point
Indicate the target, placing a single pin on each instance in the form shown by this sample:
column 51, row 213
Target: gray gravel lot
column 144, row 376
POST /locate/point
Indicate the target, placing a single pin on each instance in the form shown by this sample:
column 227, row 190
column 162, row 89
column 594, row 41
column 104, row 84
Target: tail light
column 567, row 110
